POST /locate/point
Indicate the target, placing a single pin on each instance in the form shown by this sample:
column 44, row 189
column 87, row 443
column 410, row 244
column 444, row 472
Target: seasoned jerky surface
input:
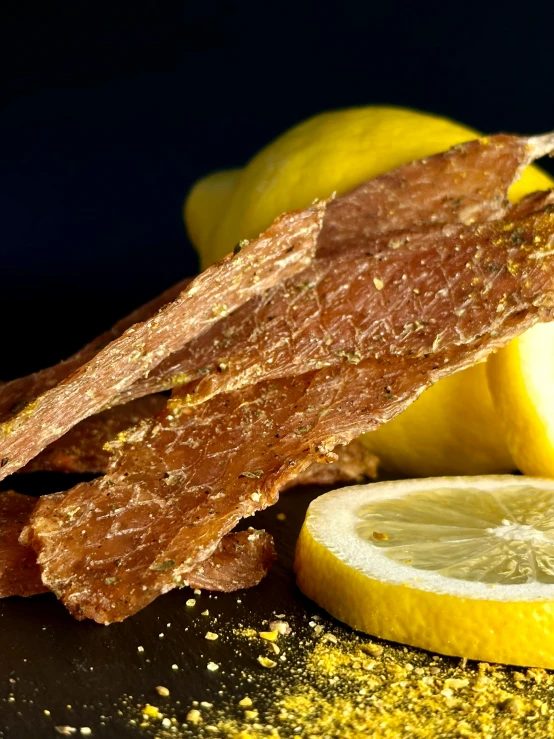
column 467, row 184
column 83, row 449
column 15, row 395
column 287, row 328
column 347, row 464
column 179, row 484
column 19, row 572
column 284, row 249
column 241, row 559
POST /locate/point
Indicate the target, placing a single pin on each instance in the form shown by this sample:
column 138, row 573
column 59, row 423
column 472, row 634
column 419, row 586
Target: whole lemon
column 453, row 427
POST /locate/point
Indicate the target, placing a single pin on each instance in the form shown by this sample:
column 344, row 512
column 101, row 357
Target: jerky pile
column 278, row 357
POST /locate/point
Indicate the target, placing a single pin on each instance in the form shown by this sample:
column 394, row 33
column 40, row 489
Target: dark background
column 111, row 110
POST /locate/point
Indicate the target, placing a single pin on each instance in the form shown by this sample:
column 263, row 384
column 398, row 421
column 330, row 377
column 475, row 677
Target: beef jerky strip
column 467, row 183
column 15, row 395
column 19, row 572
column 475, row 177
column 349, row 464
column 390, row 192
column 295, row 327
column 286, row 248
column 176, row 486
column 240, row 561
column 83, row 449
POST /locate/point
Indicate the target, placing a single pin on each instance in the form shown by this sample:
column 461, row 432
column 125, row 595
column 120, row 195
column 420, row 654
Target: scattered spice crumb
column 205, row 613
column 282, row 627
column 190, row 602
column 281, row 516
column 375, row 650
column 151, row 711
column 266, row 662
column 161, row 690
column 210, row 636
column 344, row 685
column 213, row 667
column 269, row 635
column 194, row 716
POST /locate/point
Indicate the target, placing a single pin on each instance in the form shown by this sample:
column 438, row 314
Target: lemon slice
column 463, row 566
column 521, row 384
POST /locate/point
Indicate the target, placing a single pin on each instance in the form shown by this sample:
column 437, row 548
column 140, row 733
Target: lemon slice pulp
column 461, row 566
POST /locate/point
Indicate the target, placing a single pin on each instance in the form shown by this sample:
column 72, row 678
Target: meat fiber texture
column 19, row 571
column 85, row 448
column 395, row 315
column 17, row 394
column 468, row 184
column 286, row 248
column 239, row 561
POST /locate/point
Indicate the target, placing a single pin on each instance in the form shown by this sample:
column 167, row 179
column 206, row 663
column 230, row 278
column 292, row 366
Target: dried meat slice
column 296, row 326
column 347, row 464
column 176, row 486
column 286, row 248
column 286, row 327
column 240, row 561
column 467, row 184
column 19, row 572
column 83, row 449
column 15, row 395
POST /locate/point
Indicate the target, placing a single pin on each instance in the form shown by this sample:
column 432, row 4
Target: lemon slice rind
column 354, row 580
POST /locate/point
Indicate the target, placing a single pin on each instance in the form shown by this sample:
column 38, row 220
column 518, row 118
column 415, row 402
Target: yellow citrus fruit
column 452, row 428
column 521, row 378
column 462, row 566
column 205, row 205
column 435, row 436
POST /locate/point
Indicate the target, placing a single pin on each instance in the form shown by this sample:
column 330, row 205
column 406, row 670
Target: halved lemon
column 463, row 566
